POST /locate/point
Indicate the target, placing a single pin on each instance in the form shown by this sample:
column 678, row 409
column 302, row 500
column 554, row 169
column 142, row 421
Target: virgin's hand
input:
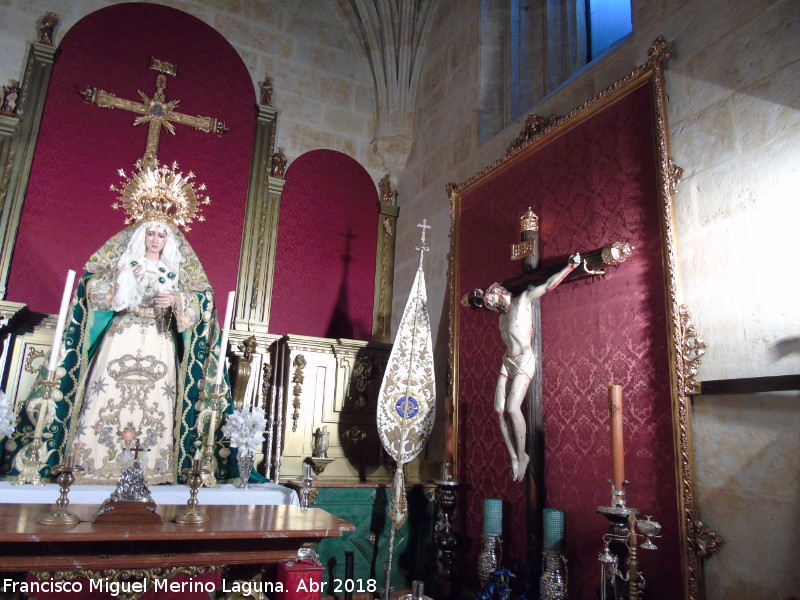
column 137, row 271
column 164, row 300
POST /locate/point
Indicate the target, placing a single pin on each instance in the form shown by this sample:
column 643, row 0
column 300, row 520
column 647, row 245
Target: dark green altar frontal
column 367, row 506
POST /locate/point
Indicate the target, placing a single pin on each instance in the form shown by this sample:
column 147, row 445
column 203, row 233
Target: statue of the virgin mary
column 135, row 352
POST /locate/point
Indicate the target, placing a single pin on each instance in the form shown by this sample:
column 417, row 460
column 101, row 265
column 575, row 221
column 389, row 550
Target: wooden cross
column 157, row 112
column 137, row 449
column 593, row 263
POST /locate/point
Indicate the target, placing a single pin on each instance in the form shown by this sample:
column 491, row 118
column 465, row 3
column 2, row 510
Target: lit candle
column 617, row 451
column 62, row 319
column 223, row 343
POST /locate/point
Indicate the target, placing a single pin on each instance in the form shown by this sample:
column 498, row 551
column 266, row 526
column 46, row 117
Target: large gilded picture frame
column 601, row 174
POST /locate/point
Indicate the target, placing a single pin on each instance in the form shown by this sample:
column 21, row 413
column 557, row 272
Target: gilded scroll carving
column 692, row 350
column 32, row 355
column 708, row 541
column 266, row 377
column 355, row 434
column 674, row 176
column 362, row 374
column 535, row 126
column 299, row 364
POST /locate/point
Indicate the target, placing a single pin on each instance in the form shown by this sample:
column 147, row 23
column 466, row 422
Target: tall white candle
column 62, row 319
column 223, row 343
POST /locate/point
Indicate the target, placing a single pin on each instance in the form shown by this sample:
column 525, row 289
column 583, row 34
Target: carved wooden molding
column 299, row 363
column 708, row 540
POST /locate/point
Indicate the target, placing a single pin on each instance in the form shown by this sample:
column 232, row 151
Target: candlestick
column 62, row 319
column 66, row 477
column 194, row 477
column 448, row 429
column 617, row 450
column 223, row 343
column 446, row 540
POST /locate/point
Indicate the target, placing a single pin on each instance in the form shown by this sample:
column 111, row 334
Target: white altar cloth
column 226, row 493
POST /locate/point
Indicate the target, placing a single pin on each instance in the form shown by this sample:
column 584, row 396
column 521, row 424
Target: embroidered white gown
column 131, row 390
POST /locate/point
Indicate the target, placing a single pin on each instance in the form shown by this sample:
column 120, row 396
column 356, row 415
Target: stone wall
column 733, row 83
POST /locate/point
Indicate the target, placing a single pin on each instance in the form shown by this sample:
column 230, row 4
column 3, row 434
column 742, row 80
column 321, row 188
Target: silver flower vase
column 489, row 557
column 553, row 582
column 245, row 462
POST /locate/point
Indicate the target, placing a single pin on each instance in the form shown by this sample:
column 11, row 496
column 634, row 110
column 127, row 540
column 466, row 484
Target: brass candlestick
column 66, row 477
column 194, row 478
column 32, row 462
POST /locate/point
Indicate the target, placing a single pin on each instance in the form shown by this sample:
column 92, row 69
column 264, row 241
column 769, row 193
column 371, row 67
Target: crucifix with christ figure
column 516, row 300
column 157, row 112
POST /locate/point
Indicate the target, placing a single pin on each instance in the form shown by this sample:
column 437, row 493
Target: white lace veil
column 128, row 294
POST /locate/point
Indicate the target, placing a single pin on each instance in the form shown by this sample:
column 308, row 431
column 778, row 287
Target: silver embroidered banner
column 406, row 400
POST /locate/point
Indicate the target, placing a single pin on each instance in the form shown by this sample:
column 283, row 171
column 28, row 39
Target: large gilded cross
column 157, row 112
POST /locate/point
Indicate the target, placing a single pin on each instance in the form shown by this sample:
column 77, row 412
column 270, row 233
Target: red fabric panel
column 67, row 213
column 592, row 186
column 327, row 239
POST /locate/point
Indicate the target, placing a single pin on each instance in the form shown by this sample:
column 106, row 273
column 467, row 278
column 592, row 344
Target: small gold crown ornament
column 161, row 194
column 529, row 221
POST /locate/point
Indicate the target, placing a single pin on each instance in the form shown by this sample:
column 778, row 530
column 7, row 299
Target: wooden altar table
column 233, row 535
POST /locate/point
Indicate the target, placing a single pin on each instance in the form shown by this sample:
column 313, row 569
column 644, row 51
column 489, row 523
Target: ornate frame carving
column 683, row 346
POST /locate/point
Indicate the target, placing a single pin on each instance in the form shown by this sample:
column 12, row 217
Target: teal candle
column 492, row 516
column 553, row 526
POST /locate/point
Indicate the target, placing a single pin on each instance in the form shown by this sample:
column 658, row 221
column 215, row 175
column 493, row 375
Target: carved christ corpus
column 157, row 112
column 592, row 263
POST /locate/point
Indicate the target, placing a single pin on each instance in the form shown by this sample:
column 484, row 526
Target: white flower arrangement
column 7, row 416
column 245, row 429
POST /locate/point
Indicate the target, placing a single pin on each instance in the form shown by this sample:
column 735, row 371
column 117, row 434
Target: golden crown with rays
column 160, row 193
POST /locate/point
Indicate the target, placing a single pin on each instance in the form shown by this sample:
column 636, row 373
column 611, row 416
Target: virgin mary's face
column 154, row 241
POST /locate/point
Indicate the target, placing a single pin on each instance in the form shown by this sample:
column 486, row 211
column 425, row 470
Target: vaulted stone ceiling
column 392, row 36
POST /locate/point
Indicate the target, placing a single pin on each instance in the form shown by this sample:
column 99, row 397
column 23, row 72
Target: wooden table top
column 18, row 522
column 232, row 535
